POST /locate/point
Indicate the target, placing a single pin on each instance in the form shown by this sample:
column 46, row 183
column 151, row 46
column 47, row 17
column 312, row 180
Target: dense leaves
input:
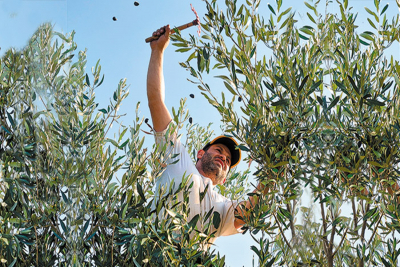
column 72, row 195
column 314, row 107
column 319, row 114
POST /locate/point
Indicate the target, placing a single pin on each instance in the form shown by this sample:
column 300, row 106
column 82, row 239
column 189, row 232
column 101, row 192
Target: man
column 214, row 160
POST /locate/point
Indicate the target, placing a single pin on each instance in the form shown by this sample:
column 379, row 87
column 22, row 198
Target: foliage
column 319, row 112
column 70, row 194
column 315, row 108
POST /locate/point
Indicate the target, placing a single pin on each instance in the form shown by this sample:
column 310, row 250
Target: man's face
column 215, row 163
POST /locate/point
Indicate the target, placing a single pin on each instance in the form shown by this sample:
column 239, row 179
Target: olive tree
column 73, row 192
column 315, row 106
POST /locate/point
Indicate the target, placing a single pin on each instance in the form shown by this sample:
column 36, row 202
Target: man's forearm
column 155, row 83
column 155, row 77
column 244, row 206
column 156, row 92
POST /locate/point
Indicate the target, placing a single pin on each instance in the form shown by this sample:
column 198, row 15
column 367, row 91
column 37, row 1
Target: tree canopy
column 314, row 106
column 317, row 113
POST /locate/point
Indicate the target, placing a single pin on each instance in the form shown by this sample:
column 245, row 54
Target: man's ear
column 200, row 153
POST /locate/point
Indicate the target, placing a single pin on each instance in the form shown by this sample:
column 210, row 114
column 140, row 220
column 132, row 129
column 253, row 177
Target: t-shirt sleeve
column 228, row 218
column 169, row 139
column 175, row 157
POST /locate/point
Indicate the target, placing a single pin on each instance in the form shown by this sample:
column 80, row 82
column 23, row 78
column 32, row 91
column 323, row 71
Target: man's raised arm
column 155, row 81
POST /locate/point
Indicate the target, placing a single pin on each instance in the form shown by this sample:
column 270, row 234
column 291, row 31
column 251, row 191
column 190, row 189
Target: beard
column 210, row 168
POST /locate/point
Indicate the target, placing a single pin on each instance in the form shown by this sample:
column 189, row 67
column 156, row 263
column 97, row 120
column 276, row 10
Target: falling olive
column 190, row 120
column 240, row 99
column 114, row 19
column 191, row 95
column 136, row 3
column 146, row 120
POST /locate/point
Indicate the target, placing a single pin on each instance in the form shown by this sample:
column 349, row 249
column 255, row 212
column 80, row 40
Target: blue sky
column 123, row 53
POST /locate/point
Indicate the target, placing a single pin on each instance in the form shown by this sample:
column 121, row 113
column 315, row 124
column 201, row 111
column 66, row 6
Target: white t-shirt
column 185, row 167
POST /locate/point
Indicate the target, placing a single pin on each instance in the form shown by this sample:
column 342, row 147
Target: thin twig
column 341, row 242
column 332, row 238
column 376, row 228
column 284, row 237
column 112, row 247
column 37, row 247
column 353, row 204
column 291, row 221
column 364, row 224
column 323, row 213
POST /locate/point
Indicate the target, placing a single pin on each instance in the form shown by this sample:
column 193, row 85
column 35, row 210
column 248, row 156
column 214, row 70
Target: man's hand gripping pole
column 182, row 27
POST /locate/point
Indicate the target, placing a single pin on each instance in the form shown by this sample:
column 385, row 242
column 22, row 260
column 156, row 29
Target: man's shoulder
column 168, row 136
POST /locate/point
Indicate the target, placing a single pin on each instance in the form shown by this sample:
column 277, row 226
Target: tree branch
column 376, row 228
column 364, row 224
column 353, row 205
column 341, row 242
column 280, row 228
column 323, row 221
column 291, row 221
column 332, row 238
